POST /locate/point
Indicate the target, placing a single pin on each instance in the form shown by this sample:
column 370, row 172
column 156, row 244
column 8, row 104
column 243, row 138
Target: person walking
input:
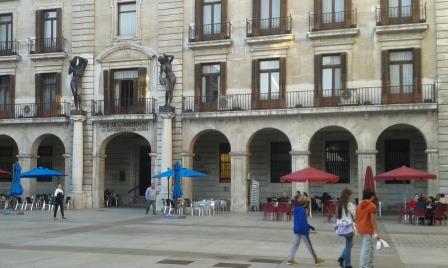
column 346, row 217
column 301, row 231
column 151, row 196
column 59, row 201
column 367, row 228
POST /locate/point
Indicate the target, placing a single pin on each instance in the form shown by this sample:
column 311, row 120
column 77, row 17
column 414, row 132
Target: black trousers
column 61, row 205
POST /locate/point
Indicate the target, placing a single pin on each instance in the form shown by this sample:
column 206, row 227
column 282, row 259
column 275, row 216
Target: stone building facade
column 264, row 87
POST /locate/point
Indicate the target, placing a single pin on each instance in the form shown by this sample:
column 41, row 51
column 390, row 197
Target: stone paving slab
column 127, row 238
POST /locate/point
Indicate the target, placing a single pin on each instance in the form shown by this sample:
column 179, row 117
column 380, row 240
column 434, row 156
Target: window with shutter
column 269, row 83
column 5, row 95
column 6, row 38
column 269, row 17
column 400, row 11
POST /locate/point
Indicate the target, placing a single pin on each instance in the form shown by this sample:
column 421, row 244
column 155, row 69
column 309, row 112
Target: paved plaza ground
column 126, row 237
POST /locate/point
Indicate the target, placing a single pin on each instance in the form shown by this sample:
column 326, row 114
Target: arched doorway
column 50, row 151
column 397, row 146
column 8, row 156
column 212, row 156
column 127, row 167
column 333, row 149
column 270, row 158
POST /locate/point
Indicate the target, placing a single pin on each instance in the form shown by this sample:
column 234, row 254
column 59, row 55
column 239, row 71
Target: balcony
column 332, row 21
column 8, row 48
column 400, row 15
column 269, row 26
column 34, row 110
column 364, row 96
column 209, row 32
column 121, row 107
column 46, row 45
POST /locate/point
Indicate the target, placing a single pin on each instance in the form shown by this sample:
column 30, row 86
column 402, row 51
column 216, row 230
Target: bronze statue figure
column 169, row 81
column 77, row 67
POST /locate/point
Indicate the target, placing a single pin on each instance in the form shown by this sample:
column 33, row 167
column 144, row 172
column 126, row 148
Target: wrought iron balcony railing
column 332, row 20
column 34, row 110
column 207, row 32
column 400, row 15
column 46, row 45
column 269, row 26
column 8, row 48
column 311, row 98
column 123, row 106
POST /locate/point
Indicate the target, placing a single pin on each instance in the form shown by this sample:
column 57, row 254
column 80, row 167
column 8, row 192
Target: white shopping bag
column 381, row 244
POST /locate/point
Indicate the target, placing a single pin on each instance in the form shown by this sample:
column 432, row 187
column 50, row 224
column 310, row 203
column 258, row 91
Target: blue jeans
column 347, row 252
column 296, row 243
column 366, row 254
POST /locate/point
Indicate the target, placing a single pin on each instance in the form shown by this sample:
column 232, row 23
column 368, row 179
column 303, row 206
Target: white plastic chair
column 196, row 206
column 19, row 201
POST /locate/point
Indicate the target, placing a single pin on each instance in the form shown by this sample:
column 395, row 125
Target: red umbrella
column 369, row 184
column 404, row 174
column 4, row 172
column 310, row 175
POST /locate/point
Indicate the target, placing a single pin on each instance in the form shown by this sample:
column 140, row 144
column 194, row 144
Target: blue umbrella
column 16, row 187
column 41, row 172
column 177, row 173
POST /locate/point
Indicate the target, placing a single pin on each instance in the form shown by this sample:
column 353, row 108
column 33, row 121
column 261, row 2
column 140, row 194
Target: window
column 48, row 31
column 211, row 20
column 401, row 74
column 45, row 160
column 333, row 11
column 5, row 91
column 269, row 17
column 125, row 83
column 270, row 14
column 48, row 92
column 280, row 160
column 6, row 44
column 269, row 80
column 337, row 159
column 400, row 8
column 331, row 75
column 6, row 162
column 211, row 84
column 127, row 19
column 397, row 154
column 224, row 163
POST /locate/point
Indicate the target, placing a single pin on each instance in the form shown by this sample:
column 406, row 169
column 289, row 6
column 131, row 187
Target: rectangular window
column 333, row 11
column 269, row 75
column 212, row 17
column 270, row 13
column 280, row 160
column 45, row 160
column 211, row 82
column 6, row 162
column 224, row 163
column 50, row 29
column 397, row 153
column 337, row 159
column 5, row 92
column 331, row 75
column 400, row 8
column 6, row 33
column 125, row 89
column 49, row 91
column 127, row 19
column 401, row 71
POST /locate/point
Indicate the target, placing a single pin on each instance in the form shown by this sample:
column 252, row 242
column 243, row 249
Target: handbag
column 344, row 228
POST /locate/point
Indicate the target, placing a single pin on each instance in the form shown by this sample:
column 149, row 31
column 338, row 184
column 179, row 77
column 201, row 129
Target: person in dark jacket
column 59, row 201
column 301, row 231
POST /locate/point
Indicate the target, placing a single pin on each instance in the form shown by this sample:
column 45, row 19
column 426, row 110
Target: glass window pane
column 264, row 86
column 275, row 86
column 264, row 9
column 3, row 33
column 401, row 56
column 269, row 65
column 331, row 60
column 207, row 17
column 337, row 82
column 339, row 9
column 394, row 73
column 211, row 69
column 408, row 75
column 327, row 82
column 5, row 18
column 393, row 3
column 50, row 15
column 127, row 7
column 217, row 18
column 406, row 11
column 276, row 8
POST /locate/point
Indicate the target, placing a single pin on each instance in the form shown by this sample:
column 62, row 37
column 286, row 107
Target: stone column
column 27, row 162
column 68, row 171
column 166, row 154
column 79, row 197
column 153, row 157
column 299, row 160
column 365, row 158
column 187, row 184
column 433, row 167
column 239, row 190
column 99, row 164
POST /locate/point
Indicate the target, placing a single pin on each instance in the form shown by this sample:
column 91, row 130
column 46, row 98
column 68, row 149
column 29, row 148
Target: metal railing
column 8, row 48
column 269, row 26
column 34, row 110
column 310, row 98
column 121, row 106
column 206, row 32
column 400, row 15
column 46, row 45
column 332, row 20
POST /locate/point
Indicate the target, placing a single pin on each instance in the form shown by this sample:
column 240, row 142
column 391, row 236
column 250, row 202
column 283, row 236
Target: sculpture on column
column 77, row 67
column 169, row 81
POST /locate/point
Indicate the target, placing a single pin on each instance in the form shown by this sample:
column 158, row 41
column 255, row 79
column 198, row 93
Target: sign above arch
column 128, row 51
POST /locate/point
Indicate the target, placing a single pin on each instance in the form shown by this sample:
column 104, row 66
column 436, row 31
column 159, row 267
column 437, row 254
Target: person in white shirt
column 151, row 196
column 346, row 214
column 59, row 201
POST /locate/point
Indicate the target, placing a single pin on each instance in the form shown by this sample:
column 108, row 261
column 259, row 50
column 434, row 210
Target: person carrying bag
column 345, row 226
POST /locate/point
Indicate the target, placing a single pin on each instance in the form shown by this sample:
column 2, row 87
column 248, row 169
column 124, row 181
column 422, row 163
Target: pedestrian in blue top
column 302, row 231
